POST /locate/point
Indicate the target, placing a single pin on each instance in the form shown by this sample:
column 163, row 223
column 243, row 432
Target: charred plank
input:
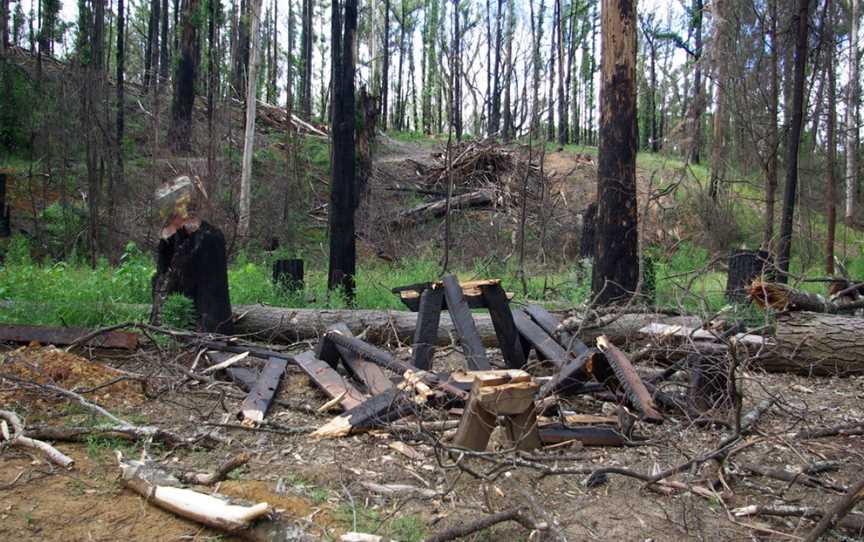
column 466, row 330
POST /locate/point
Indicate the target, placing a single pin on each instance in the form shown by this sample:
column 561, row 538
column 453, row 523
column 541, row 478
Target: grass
column 405, row 528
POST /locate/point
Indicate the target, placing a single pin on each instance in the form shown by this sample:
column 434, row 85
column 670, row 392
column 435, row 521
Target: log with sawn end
column 466, row 329
column 428, row 318
column 330, row 382
column 371, row 375
column 255, row 405
column 376, row 411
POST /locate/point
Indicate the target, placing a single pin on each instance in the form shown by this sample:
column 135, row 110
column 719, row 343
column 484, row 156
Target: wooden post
column 289, row 274
column 744, row 267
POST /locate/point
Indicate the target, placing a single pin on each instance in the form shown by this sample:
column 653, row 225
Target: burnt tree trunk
column 192, row 262
column 744, row 267
column 790, row 195
column 184, row 83
column 289, row 274
column 343, row 184
column 616, row 263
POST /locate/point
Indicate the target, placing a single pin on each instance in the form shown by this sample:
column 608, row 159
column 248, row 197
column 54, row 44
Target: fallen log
column 812, row 343
column 329, row 381
column 16, row 437
column 62, row 336
column 780, row 297
column 255, row 405
column 437, row 209
column 618, row 373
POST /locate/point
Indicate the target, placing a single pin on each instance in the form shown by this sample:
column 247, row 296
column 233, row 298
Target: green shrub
column 179, row 312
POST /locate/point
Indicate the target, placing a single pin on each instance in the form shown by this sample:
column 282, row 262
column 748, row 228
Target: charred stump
column 193, row 262
column 589, row 227
column 288, row 274
column 744, row 267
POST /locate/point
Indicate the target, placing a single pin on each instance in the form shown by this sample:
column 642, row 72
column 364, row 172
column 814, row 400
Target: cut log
column 588, row 436
column 374, row 412
column 471, row 292
column 61, row 336
column 785, row 298
column 288, row 274
column 744, row 267
column 255, row 405
column 330, row 382
column 552, row 326
column 466, row 329
column 505, row 329
column 426, row 333
column 812, row 343
column 547, row 347
column 371, row 375
column 437, row 209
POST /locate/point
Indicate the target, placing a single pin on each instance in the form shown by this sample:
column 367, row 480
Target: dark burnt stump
column 744, row 267
column 289, row 274
column 192, row 262
column 709, row 383
column 191, row 258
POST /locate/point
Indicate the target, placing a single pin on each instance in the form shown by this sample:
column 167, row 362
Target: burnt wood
column 254, row 407
column 744, row 267
column 371, row 375
column 505, row 329
column 466, row 330
column 60, row 336
column 549, row 323
column 379, row 410
column 618, row 373
column 588, row 436
column 547, row 348
column 709, row 382
column 330, row 382
column 589, row 229
column 5, row 222
column 572, row 376
column 426, row 333
column 193, row 262
column 289, row 274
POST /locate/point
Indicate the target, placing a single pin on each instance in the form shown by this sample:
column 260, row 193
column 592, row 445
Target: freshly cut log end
column 781, row 297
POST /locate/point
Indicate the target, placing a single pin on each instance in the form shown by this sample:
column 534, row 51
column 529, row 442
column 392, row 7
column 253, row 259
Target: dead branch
column 16, row 438
column 838, row 511
column 208, row 479
column 462, row 530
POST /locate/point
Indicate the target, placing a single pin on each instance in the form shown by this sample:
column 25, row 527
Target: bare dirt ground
column 319, row 484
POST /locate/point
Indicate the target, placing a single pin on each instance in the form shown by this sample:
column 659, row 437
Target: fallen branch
column 208, row 479
column 464, row 529
column 16, row 438
column 838, row 511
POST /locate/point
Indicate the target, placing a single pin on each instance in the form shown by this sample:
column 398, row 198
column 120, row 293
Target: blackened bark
column 789, row 195
column 151, row 52
column 495, row 110
column 184, row 79
column 550, row 103
column 119, row 180
column 456, row 105
column 773, row 132
column 306, row 60
column 241, row 59
column 164, row 55
column 744, row 267
column 343, row 186
column 563, row 128
column 831, row 147
column 616, row 264
column 192, row 262
column 5, row 223
column 697, row 105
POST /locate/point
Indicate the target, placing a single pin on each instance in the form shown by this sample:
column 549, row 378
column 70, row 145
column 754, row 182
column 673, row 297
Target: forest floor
column 319, row 485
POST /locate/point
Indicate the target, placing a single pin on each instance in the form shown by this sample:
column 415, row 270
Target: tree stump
column 288, row 274
column 744, row 267
column 709, row 382
column 192, row 262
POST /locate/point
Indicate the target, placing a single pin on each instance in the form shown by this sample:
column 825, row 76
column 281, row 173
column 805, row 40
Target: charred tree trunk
column 495, row 109
column 744, row 267
column 164, row 55
column 697, row 105
column 192, row 262
column 185, row 76
column 831, row 149
column 456, row 104
column 119, row 179
column 343, row 184
column 306, row 41
column 5, row 223
column 151, row 52
column 288, row 274
column 773, row 133
column 563, row 128
column 616, row 258
column 790, row 194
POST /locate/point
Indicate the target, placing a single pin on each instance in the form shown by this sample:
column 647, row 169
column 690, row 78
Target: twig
column 464, row 529
column 208, row 479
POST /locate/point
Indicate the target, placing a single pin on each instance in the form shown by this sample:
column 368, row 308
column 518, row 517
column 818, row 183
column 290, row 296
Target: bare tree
column 830, row 143
column 249, row 138
column 616, row 253
column 852, row 117
column 790, row 193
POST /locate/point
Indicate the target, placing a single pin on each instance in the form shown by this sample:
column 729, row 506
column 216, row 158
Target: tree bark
column 343, row 185
column 151, row 52
column 563, row 128
column 817, row 344
column 164, row 56
column 696, row 106
column 249, row 135
column 852, row 118
column 185, row 76
column 306, row 41
column 718, row 144
column 385, row 68
column 119, row 180
column 790, row 194
column 773, row 133
column 830, row 148
column 616, row 267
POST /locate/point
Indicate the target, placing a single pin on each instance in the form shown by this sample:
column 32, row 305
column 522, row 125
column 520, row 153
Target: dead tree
column 343, row 184
column 185, row 76
column 616, row 267
column 790, row 194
